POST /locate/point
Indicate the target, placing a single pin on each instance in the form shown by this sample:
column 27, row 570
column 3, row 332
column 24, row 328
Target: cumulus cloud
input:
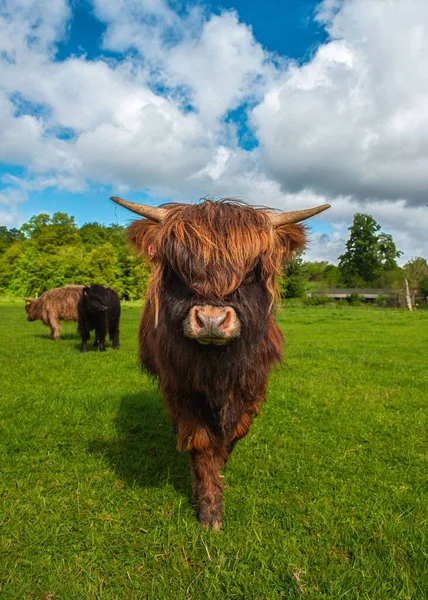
column 226, row 51
column 10, row 201
column 354, row 120
column 350, row 126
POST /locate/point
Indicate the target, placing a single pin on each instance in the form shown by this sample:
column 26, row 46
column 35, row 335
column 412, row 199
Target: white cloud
column 222, row 67
column 10, row 201
column 31, row 25
column 354, row 120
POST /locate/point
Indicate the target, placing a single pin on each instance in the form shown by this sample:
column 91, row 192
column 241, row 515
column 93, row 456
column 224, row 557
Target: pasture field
column 326, row 498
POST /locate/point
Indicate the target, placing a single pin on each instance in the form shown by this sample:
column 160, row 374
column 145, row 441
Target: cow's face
column 30, row 307
column 94, row 301
column 214, row 268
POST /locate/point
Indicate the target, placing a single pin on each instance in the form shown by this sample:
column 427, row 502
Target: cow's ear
column 291, row 239
column 85, row 290
column 28, row 301
column 144, row 235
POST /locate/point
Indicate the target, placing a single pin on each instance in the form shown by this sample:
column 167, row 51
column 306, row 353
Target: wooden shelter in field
column 366, row 294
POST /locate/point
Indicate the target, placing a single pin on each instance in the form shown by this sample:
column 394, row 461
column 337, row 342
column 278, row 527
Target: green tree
column 50, row 232
column 35, row 272
column 369, row 254
column 322, row 273
column 292, row 282
column 332, row 277
column 117, row 235
column 75, row 262
column 103, row 267
column 51, row 251
column 416, row 272
column 93, row 234
column 8, row 237
column 8, row 261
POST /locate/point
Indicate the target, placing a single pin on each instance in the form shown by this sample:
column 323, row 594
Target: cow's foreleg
column 101, row 332
column 55, row 327
column 114, row 333
column 208, row 454
column 84, row 336
column 207, row 486
column 84, row 333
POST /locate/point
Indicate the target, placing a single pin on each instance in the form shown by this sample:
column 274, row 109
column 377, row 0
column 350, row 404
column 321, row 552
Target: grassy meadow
column 325, row 498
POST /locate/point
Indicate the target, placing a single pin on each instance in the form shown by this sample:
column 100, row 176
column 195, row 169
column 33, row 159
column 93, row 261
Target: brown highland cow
column 208, row 332
column 53, row 306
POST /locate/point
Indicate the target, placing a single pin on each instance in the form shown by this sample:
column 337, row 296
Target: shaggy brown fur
column 53, row 306
column 220, row 254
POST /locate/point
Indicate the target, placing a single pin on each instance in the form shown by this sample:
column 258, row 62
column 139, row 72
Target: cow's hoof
column 217, row 525
column 214, row 524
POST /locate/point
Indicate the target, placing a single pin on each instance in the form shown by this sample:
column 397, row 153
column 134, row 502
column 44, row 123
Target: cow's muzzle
column 216, row 325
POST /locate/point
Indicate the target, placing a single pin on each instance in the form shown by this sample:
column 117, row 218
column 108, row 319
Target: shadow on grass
column 143, row 451
column 92, row 348
column 63, row 337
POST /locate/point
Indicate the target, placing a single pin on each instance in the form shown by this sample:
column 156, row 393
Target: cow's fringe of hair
column 213, row 245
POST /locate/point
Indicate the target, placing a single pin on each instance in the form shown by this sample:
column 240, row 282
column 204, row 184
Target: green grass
column 325, row 498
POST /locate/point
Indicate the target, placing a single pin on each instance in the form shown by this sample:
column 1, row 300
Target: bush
column 381, row 300
column 341, row 303
column 317, row 300
column 355, row 299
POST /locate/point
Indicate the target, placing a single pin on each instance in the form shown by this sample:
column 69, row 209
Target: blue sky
column 286, row 27
column 282, row 103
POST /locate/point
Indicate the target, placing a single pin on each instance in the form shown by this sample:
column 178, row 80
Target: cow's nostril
column 224, row 324
column 200, row 320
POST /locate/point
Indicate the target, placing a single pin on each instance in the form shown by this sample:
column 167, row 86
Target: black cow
column 99, row 309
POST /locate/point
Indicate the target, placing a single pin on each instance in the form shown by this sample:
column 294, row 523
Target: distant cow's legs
column 55, row 327
column 101, row 332
column 114, row 333
column 84, row 335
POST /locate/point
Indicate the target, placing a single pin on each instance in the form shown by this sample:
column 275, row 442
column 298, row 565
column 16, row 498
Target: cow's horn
column 295, row 216
column 150, row 212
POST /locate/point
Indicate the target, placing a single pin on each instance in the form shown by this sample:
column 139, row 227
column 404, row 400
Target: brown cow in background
column 53, row 306
column 208, row 332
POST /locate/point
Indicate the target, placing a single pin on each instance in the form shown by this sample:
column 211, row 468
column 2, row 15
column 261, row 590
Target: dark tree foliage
column 8, row 237
column 369, row 254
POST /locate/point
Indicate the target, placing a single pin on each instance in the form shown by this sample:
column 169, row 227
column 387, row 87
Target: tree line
column 369, row 261
column 52, row 251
